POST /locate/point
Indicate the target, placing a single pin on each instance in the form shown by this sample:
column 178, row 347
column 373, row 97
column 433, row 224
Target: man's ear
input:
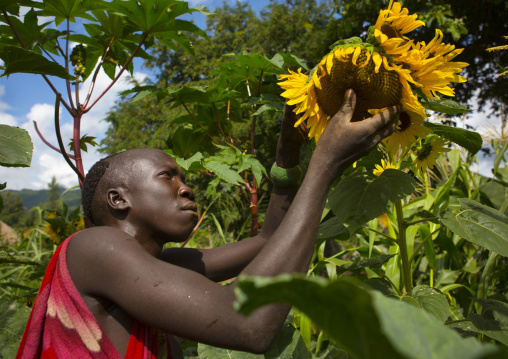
column 118, row 199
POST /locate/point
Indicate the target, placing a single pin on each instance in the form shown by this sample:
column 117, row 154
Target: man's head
column 142, row 188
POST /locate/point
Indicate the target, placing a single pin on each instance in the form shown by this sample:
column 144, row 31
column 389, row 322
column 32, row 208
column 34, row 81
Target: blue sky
column 27, row 98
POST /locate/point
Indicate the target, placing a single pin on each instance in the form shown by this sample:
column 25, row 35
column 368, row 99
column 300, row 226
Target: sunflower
column 318, row 97
column 433, row 74
column 53, row 234
column 409, row 127
column 384, row 166
column 390, row 27
column 426, row 155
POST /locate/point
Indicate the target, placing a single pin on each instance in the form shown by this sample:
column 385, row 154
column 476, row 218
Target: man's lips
column 191, row 206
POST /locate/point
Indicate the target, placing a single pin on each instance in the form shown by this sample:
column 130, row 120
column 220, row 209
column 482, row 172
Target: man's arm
column 228, row 261
column 182, row 302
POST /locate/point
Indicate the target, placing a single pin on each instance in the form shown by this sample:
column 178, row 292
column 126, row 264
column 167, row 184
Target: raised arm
column 189, row 305
column 228, row 261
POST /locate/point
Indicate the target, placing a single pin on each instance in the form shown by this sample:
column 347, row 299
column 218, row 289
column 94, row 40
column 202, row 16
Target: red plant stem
column 119, row 74
column 199, row 123
column 47, row 143
column 92, row 85
column 77, row 149
column 218, row 121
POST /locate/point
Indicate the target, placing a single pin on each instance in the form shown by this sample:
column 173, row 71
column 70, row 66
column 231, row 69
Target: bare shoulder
column 94, row 254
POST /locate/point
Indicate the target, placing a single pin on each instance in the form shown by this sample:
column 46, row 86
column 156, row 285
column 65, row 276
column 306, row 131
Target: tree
column 12, row 211
column 53, row 194
column 114, row 34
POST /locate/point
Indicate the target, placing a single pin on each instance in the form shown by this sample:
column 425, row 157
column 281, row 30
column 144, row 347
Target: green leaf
column 493, row 321
column 83, row 141
column 209, row 352
column 367, row 263
column 470, row 140
column 432, row 301
column 479, row 224
column 13, row 319
column 224, row 172
column 357, row 199
column 288, row 345
column 368, row 324
column 15, row 147
column 69, row 9
column 18, row 60
column 188, row 163
column 446, row 106
column 331, row 228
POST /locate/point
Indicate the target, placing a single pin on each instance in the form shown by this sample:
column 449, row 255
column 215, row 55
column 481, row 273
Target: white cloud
column 46, row 162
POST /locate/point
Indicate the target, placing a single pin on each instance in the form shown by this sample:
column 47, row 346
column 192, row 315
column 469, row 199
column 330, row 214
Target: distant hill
column 33, row 198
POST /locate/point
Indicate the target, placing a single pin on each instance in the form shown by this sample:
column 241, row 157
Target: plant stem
column 381, row 233
column 80, row 174
column 199, row 123
column 120, row 73
column 406, row 265
column 457, row 321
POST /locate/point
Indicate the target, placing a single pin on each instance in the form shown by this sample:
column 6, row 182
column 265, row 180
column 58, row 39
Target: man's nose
column 186, row 192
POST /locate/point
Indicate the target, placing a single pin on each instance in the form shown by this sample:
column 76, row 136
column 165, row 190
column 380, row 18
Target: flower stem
column 406, row 266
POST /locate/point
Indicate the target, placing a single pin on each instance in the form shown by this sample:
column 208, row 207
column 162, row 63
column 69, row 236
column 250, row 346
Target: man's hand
column 343, row 142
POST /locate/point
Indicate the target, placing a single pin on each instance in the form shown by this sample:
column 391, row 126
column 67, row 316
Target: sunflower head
column 358, row 68
column 428, row 152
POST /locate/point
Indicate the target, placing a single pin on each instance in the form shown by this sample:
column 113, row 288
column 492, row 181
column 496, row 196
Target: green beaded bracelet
column 285, row 177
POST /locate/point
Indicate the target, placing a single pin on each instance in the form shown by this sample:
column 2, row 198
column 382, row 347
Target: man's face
column 162, row 206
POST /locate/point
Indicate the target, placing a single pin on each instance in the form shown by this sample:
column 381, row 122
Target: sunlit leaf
column 15, row 147
column 224, row 172
column 470, row 140
column 479, row 224
column 446, row 106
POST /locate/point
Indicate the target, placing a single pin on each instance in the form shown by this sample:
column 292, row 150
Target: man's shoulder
column 97, row 241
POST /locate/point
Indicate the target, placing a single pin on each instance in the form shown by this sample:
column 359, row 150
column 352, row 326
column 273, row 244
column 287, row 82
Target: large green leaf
column 157, row 16
column 357, row 198
column 447, row 106
column 18, row 60
column 224, row 172
column 479, row 224
column 331, row 228
column 363, row 322
column 69, row 9
column 367, row 263
column 470, row 140
column 15, row 147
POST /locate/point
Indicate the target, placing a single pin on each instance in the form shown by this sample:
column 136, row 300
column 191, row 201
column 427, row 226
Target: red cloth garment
column 62, row 326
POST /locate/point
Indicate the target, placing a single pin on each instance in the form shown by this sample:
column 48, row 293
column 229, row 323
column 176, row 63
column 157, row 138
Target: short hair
column 92, row 179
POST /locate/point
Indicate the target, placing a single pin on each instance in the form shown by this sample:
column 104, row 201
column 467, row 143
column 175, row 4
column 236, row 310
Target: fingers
column 345, row 113
column 388, row 116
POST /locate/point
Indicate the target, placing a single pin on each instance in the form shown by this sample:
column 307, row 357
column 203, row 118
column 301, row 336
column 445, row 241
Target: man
column 123, row 284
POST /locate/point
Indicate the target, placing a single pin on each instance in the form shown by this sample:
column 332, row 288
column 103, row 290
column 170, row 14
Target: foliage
column 113, row 33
